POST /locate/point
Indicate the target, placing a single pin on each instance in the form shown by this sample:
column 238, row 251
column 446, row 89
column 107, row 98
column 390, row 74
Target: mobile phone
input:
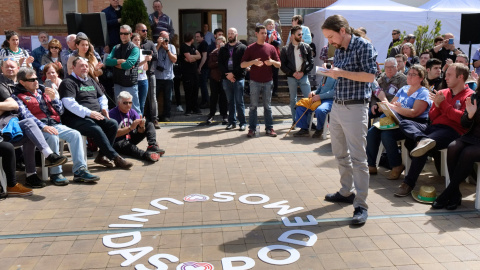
column 450, row 41
column 48, row 83
column 146, row 52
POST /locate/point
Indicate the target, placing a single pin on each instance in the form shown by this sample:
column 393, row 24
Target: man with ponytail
column 354, row 67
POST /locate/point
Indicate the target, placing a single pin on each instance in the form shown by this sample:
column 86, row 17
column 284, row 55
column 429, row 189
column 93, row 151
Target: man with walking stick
column 354, row 67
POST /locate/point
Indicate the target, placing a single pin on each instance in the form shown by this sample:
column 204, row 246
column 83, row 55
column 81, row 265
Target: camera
column 146, row 52
column 161, row 69
column 165, row 40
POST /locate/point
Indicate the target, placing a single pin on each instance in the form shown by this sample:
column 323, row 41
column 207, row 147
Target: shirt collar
column 79, row 78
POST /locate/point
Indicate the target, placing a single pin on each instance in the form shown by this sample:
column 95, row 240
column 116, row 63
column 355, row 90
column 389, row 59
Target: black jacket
column 150, row 46
column 224, row 55
column 287, row 58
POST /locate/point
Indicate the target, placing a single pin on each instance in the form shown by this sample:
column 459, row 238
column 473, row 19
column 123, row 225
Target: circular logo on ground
column 196, row 198
column 195, row 265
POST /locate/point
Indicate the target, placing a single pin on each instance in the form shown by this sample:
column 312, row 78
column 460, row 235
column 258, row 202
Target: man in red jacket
column 445, row 127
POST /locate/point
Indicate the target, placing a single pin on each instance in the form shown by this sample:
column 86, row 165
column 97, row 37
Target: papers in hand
column 320, row 70
column 388, row 112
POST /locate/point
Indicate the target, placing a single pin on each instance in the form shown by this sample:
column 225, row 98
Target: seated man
column 324, row 93
column 472, row 77
column 132, row 130
column 9, row 72
column 388, row 82
column 434, row 74
column 401, row 63
column 87, row 111
column 32, row 137
column 424, row 57
column 445, row 126
column 39, row 103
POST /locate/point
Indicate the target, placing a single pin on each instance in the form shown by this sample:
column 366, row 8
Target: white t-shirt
column 298, row 58
column 142, row 74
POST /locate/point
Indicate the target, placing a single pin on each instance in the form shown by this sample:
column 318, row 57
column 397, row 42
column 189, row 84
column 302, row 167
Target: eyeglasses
column 395, row 34
column 412, row 75
column 125, row 34
column 144, row 30
column 56, row 48
column 9, row 58
column 127, row 102
column 390, row 67
column 30, row 80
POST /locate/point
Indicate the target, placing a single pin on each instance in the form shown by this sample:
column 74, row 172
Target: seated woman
column 462, row 154
column 410, row 102
column 7, row 153
column 52, row 72
column 409, row 50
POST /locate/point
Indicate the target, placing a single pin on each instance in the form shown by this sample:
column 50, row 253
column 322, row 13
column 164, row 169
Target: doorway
column 192, row 20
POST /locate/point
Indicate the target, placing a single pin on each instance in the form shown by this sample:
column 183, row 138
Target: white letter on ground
column 107, row 239
column 155, row 203
column 227, row 263
column 243, row 198
column 155, row 261
column 223, row 196
column 284, row 209
column 299, row 221
column 127, row 254
column 263, row 255
column 143, row 212
column 312, row 238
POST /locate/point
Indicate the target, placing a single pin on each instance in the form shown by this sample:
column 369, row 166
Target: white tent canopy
column 450, row 13
column 378, row 17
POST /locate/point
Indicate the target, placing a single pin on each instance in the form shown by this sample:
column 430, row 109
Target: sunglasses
column 125, row 34
column 56, row 48
column 144, row 30
column 9, row 58
column 395, row 34
column 299, row 35
column 30, row 80
column 127, row 102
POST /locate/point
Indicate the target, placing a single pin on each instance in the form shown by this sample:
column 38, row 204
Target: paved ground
column 64, row 227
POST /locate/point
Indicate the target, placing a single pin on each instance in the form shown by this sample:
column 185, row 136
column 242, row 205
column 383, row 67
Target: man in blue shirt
column 167, row 56
column 113, row 14
column 39, row 52
column 354, row 68
column 159, row 21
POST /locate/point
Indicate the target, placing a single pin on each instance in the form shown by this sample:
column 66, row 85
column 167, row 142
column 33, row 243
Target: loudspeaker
column 470, row 28
column 74, row 23
column 94, row 25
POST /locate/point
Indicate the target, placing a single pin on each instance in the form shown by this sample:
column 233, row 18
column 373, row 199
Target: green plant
column 425, row 39
column 133, row 12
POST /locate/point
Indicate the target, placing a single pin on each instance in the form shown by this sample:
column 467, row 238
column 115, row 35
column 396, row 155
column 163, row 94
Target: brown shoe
column 403, row 190
column 372, row 170
column 122, row 163
column 396, row 172
column 103, row 160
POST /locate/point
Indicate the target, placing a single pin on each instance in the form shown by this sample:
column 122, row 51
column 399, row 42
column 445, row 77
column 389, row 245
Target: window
column 52, row 12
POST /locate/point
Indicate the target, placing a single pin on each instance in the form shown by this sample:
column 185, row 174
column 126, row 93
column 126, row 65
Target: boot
column 122, row 163
column 396, row 172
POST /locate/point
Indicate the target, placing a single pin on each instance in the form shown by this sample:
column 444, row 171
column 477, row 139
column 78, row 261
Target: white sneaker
column 179, row 108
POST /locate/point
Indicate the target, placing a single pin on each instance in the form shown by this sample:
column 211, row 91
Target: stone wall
column 257, row 12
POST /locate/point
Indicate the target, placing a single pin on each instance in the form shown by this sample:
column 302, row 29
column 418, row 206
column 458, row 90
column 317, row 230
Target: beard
column 44, row 42
column 232, row 40
column 298, row 39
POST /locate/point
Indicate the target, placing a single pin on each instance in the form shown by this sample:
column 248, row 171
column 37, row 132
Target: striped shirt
column 360, row 56
column 6, row 52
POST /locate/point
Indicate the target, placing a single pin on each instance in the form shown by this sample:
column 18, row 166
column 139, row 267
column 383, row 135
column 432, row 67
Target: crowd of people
column 110, row 96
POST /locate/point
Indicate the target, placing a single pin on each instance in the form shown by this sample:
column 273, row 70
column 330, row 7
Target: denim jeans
column 203, row 80
column 103, row 132
column 133, row 90
column 255, row 89
column 320, row 113
column 165, row 87
column 389, row 140
column 142, row 94
column 74, row 138
column 234, row 92
column 293, row 84
column 443, row 135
